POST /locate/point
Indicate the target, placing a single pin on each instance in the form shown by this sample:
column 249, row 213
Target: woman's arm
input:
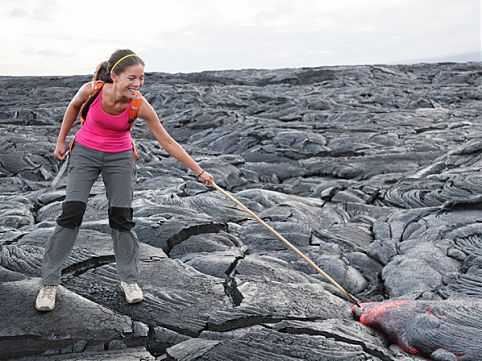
column 169, row 144
column 70, row 116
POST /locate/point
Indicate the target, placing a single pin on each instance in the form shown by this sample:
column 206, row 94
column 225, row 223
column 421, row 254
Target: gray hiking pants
column 118, row 173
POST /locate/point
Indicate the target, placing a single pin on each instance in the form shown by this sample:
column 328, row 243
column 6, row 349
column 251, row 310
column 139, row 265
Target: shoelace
column 48, row 292
column 132, row 287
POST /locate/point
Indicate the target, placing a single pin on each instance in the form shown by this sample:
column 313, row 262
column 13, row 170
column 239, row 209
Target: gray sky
column 54, row 37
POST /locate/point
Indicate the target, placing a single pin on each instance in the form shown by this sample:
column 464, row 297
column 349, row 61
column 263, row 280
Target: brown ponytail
column 102, row 72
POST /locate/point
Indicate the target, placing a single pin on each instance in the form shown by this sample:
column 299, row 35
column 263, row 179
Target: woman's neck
column 112, row 96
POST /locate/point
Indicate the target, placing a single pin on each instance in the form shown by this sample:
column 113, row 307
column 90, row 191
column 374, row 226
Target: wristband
column 200, row 174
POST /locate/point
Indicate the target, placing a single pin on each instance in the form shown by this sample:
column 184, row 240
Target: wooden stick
column 289, row 245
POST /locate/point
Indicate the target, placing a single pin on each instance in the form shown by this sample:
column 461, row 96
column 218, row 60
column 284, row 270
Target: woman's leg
column 84, row 168
column 118, row 174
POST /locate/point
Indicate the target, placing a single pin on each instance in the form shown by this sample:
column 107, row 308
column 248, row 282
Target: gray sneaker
column 132, row 292
column 46, row 298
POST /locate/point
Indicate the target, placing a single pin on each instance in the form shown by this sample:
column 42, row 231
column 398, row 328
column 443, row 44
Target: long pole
column 289, row 245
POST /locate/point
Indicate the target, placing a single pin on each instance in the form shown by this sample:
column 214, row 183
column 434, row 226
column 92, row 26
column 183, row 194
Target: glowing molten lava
column 442, row 330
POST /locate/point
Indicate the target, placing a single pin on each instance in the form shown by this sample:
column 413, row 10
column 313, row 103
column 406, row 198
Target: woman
column 104, row 146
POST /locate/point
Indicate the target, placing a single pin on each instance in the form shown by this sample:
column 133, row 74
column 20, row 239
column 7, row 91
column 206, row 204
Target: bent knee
column 120, row 218
column 72, row 214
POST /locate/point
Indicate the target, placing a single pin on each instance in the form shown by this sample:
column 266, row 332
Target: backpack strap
column 135, row 107
column 96, row 87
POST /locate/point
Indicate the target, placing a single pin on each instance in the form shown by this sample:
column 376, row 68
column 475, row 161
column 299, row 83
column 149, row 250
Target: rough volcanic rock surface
column 371, row 171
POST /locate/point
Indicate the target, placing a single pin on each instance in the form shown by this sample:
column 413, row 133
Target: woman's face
column 130, row 80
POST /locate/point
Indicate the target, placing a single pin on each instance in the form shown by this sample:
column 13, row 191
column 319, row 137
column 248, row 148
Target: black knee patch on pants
column 121, row 218
column 72, row 214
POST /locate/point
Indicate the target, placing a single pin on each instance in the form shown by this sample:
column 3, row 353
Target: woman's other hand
column 206, row 178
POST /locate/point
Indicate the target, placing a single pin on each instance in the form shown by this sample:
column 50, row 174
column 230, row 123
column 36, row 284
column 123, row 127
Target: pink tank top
column 103, row 131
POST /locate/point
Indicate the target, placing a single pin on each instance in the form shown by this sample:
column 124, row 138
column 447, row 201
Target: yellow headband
column 118, row 61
